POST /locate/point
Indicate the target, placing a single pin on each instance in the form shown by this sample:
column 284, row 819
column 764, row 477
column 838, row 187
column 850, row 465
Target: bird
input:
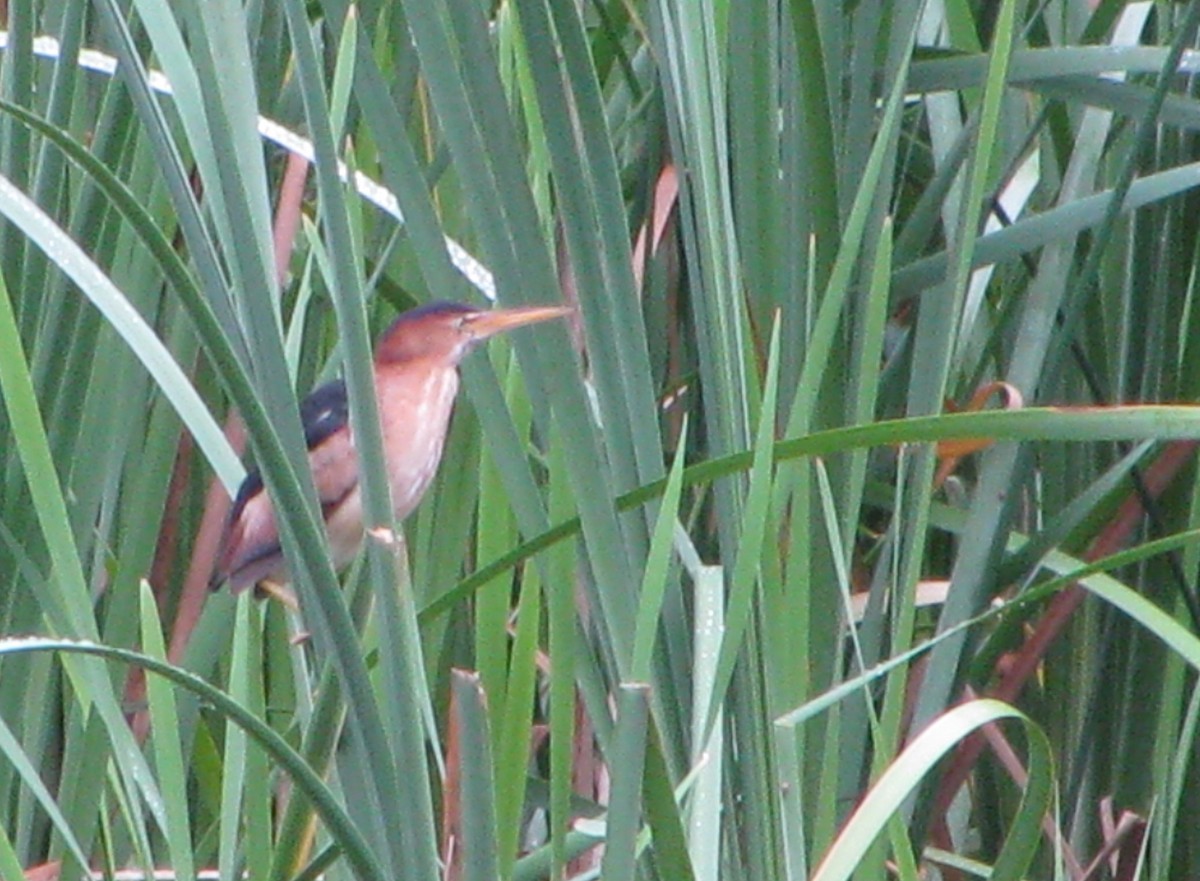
column 416, row 383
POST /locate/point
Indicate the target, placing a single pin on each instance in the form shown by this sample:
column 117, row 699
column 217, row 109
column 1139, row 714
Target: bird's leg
column 276, row 591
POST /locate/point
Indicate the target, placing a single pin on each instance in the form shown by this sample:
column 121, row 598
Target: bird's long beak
column 486, row 324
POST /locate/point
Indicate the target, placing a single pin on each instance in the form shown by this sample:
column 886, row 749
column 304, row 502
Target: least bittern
column 416, row 382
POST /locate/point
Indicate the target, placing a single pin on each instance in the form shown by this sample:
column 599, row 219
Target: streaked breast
column 416, row 400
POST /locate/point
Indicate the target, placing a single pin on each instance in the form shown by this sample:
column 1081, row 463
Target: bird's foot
column 277, row 591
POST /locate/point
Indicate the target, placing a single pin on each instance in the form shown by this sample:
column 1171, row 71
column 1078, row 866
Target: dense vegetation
column 833, row 538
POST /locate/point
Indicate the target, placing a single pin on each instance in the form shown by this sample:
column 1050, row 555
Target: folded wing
column 251, row 549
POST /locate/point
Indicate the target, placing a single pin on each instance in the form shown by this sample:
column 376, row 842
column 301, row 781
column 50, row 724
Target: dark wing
column 251, row 544
column 325, row 415
column 252, row 485
column 325, row 411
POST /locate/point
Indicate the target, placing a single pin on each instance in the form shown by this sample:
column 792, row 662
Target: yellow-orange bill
column 486, row 324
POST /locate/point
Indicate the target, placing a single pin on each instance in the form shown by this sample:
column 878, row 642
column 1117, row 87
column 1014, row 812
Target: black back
column 323, row 413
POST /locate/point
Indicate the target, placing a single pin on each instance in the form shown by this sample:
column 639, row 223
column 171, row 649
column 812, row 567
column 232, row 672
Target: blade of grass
column 1081, row 425
column 629, row 753
column 167, row 749
column 917, row 760
column 480, row 860
column 331, row 811
column 406, row 817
